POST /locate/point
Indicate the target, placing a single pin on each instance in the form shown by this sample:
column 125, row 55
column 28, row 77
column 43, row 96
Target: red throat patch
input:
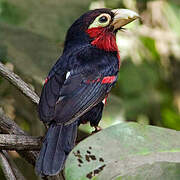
column 103, row 38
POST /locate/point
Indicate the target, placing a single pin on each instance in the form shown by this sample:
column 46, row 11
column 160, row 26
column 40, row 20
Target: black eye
column 103, row 19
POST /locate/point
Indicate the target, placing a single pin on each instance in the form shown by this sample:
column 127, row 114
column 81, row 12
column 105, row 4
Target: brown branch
column 19, row 83
column 10, row 127
column 8, row 172
column 11, row 166
column 19, row 142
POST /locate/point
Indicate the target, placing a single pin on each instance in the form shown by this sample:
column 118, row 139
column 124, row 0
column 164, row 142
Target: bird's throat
column 103, row 39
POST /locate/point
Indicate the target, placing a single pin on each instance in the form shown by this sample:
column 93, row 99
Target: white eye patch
column 101, row 21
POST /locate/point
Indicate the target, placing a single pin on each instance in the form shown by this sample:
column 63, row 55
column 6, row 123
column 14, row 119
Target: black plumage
column 66, row 102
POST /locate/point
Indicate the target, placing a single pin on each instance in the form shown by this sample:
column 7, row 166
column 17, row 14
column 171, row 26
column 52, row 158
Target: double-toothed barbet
column 79, row 82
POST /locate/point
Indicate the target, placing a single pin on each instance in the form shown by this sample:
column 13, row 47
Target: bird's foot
column 97, row 129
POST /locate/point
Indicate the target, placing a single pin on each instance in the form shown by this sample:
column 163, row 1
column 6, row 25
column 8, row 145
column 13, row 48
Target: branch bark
column 9, row 167
column 8, row 172
column 17, row 142
column 10, row 127
column 19, row 83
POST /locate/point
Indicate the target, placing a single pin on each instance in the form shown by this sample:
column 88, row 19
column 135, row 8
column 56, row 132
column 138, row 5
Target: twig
column 10, row 127
column 8, row 172
column 19, row 83
column 19, row 142
column 12, row 166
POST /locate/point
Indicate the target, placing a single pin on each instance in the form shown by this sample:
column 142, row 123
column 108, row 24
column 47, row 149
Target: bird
column 79, row 82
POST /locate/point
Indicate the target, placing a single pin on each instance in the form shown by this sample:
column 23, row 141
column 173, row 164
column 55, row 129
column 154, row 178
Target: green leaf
column 126, row 151
column 149, row 43
column 170, row 118
column 157, row 170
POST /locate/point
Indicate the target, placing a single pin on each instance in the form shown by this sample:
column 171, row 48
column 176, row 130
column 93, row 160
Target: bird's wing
column 50, row 91
column 90, row 79
column 78, row 95
column 87, row 85
column 93, row 116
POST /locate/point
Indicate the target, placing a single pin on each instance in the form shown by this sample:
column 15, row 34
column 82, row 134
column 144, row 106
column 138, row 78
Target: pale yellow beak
column 123, row 17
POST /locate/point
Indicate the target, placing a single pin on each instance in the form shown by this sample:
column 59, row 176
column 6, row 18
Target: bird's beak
column 123, row 17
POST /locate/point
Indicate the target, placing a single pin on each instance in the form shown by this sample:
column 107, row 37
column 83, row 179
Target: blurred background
column 148, row 91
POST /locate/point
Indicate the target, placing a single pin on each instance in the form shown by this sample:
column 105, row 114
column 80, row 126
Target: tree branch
column 8, row 172
column 10, row 127
column 9, row 167
column 19, row 83
column 17, row 142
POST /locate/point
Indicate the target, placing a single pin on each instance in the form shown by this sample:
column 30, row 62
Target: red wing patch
column 108, row 79
column 46, row 80
column 105, row 80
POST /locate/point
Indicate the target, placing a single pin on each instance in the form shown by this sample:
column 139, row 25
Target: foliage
column 126, row 151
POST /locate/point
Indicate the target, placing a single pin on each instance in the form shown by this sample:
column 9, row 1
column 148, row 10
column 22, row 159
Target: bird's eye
column 103, row 19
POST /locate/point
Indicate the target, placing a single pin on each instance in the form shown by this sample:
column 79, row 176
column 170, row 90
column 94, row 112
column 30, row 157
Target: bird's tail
column 57, row 144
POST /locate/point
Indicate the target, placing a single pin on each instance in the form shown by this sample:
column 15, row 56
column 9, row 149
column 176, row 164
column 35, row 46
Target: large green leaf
column 126, row 151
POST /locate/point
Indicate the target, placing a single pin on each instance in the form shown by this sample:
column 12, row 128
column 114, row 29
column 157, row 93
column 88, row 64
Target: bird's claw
column 97, row 129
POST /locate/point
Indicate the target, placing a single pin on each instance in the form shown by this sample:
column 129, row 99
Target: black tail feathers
column 57, row 144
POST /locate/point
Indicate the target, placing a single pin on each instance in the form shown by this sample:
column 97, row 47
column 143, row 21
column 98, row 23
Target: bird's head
column 99, row 27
